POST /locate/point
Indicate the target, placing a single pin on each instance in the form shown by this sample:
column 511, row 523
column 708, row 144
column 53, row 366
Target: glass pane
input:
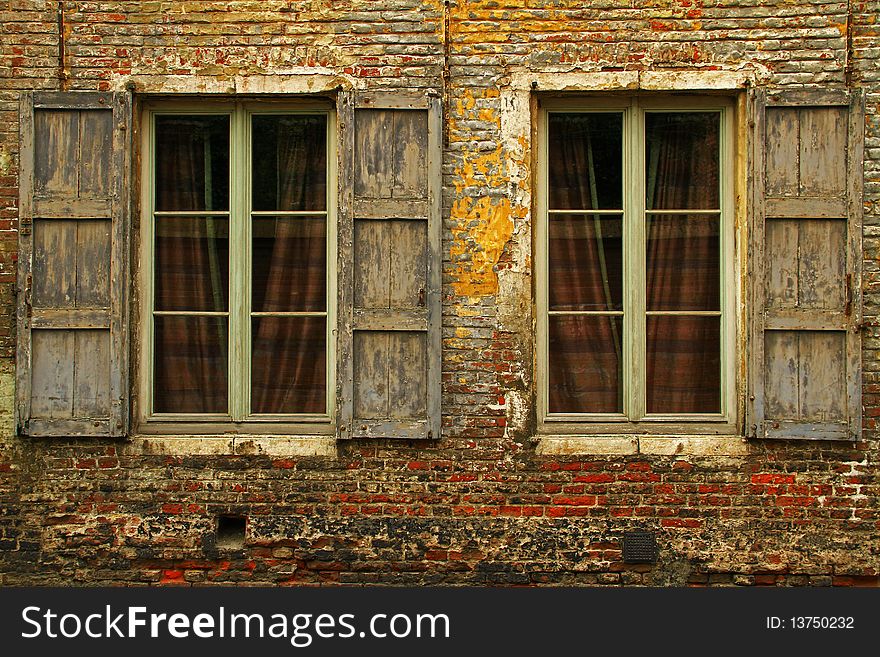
column 682, row 160
column 684, row 364
column 585, row 364
column 192, row 162
column 585, row 262
column 683, row 262
column 288, row 365
column 585, row 161
column 190, row 368
column 192, row 263
column 289, row 162
column 289, row 264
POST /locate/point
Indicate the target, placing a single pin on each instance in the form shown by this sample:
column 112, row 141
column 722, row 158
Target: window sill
column 655, row 445
column 239, row 445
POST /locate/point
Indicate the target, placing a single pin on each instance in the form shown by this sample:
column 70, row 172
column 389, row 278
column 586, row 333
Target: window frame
column 633, row 420
column 240, row 111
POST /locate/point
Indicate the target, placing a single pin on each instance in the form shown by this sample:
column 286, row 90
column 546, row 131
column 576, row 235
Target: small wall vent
column 639, row 547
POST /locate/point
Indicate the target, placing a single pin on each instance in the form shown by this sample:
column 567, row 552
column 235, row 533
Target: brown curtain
column 191, row 271
column 683, row 263
column 289, row 274
column 682, row 259
column 584, row 268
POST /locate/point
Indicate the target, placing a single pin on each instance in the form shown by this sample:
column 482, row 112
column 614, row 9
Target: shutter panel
column 72, row 349
column 806, row 257
column 389, row 350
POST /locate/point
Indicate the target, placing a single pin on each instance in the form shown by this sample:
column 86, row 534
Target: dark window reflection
column 289, row 264
column 585, row 161
column 191, row 364
column 192, row 163
column 683, row 262
column 585, row 262
column 586, row 364
column 683, row 364
column 289, row 365
column 289, row 160
column 682, row 160
column 192, row 263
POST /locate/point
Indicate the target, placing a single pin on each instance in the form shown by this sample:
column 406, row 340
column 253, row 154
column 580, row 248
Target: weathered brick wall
column 480, row 505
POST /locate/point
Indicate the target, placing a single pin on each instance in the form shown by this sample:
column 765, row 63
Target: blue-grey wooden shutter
column 389, row 274
column 72, row 349
column 805, row 259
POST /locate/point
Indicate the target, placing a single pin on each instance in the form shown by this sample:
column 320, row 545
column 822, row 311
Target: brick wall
column 481, row 505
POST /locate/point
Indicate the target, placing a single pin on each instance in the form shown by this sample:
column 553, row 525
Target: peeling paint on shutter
column 72, row 346
column 806, row 255
column 389, row 353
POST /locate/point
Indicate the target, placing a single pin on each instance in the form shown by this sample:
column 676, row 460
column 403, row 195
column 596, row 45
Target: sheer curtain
column 289, row 275
column 584, row 264
column 683, row 262
column 191, row 270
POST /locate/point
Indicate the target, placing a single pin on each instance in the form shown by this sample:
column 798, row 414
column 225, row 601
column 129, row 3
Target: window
column 636, row 288
column 263, row 308
column 239, row 231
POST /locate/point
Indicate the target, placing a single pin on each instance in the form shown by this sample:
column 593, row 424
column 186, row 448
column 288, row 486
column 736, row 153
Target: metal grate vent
column 639, row 547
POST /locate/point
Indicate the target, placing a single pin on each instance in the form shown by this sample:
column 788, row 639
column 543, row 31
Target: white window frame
column 238, row 420
column 634, row 420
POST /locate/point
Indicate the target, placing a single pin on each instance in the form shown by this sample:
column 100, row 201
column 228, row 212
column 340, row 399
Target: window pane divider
column 648, row 211
column 288, row 213
column 683, row 313
column 192, row 313
column 600, row 313
column 291, row 313
column 585, row 211
column 191, row 213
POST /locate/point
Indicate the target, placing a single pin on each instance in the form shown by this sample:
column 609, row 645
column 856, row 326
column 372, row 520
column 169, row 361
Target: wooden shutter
column 389, row 266
column 72, row 365
column 806, row 257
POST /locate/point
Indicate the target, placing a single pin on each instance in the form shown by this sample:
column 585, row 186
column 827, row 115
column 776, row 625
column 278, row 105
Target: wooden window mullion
column 239, row 266
column 635, row 236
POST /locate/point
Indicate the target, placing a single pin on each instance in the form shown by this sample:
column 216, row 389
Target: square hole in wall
column 231, row 531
